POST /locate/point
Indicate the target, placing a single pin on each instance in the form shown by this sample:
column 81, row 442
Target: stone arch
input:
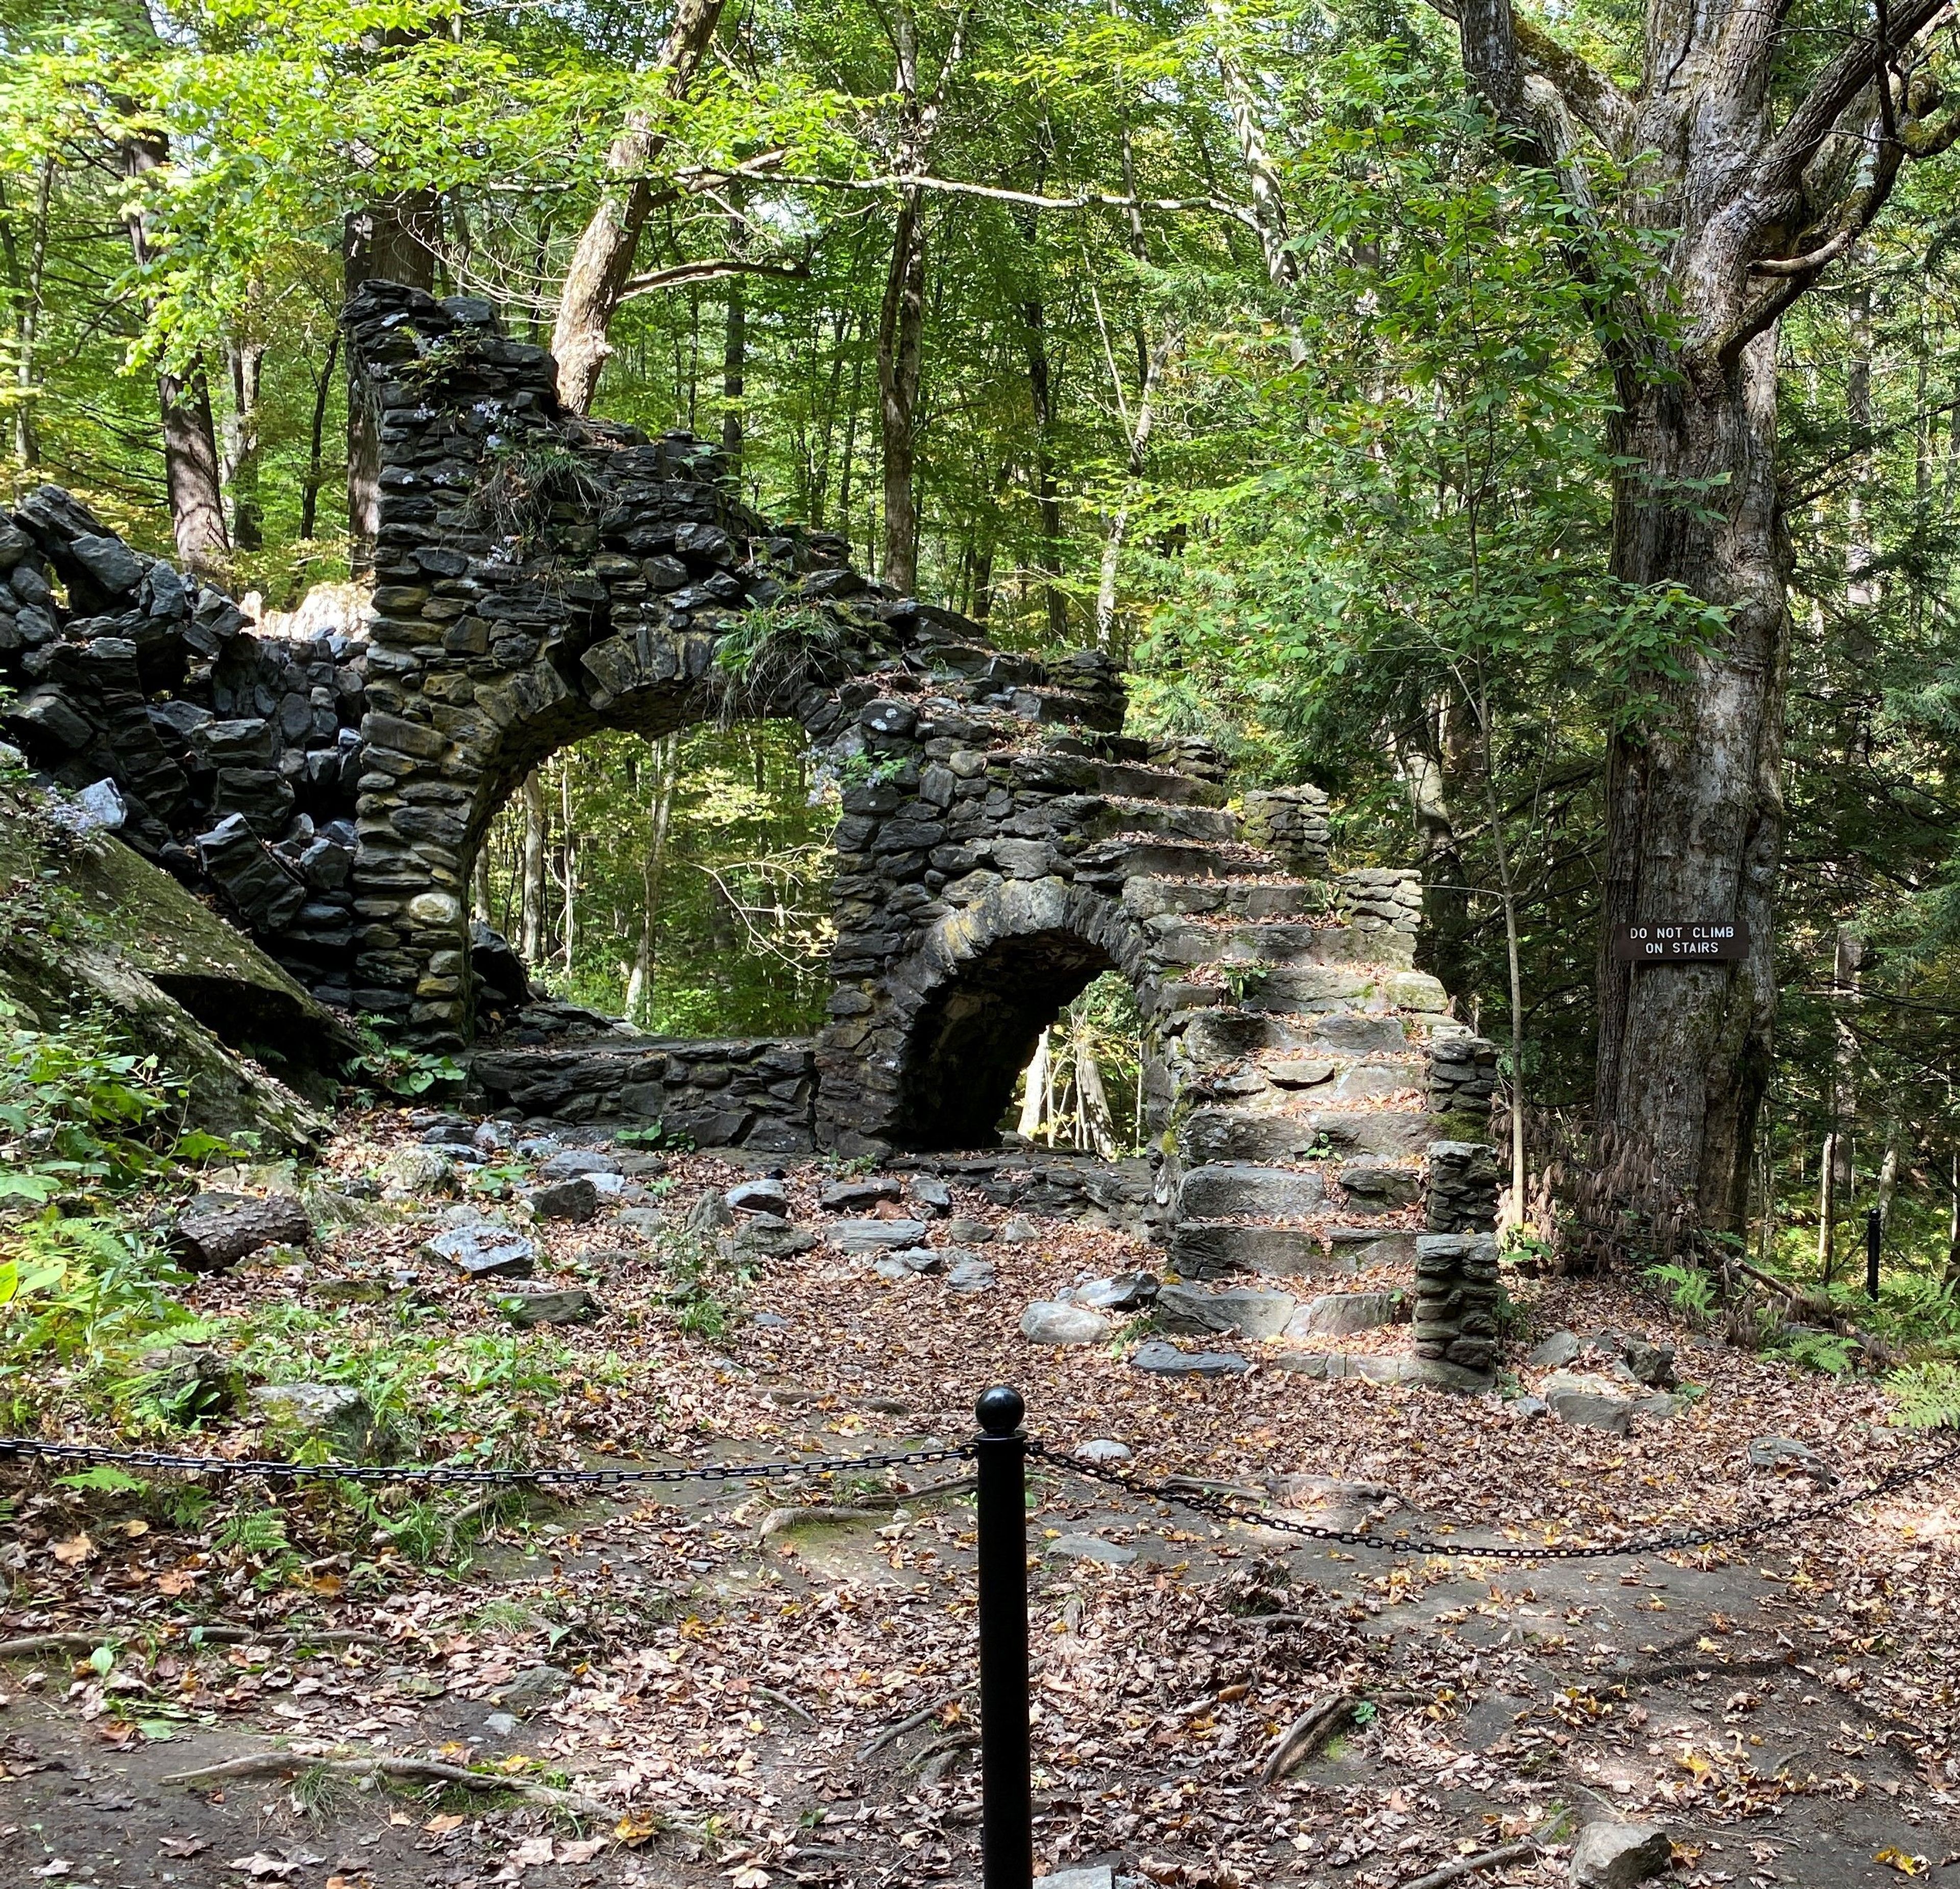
column 986, row 981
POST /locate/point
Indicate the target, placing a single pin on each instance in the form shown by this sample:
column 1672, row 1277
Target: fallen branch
column 789, row 1705
column 1489, row 1859
column 30, row 1645
column 892, row 1734
column 1206, row 1486
column 939, row 1757
column 404, row 1770
column 777, row 1520
column 1305, row 1735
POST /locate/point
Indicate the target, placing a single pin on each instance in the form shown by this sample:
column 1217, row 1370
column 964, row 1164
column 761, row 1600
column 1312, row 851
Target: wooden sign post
column 1682, row 942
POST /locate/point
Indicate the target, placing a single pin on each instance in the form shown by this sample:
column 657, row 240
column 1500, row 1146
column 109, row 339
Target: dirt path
column 1786, row 1713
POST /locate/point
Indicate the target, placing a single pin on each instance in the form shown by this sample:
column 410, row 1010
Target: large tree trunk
column 602, row 262
column 1695, row 805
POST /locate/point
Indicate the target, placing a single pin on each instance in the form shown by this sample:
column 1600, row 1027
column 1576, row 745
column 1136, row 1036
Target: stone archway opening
column 975, row 1040
column 676, row 881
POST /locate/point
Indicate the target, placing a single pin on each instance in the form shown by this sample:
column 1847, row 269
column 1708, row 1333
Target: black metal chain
column 29, row 1447
column 1220, row 1509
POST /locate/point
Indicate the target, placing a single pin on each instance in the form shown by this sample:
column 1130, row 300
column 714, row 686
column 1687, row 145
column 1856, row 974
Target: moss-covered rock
column 88, row 928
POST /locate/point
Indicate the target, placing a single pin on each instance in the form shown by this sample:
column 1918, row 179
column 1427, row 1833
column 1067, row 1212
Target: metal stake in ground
column 1000, row 1455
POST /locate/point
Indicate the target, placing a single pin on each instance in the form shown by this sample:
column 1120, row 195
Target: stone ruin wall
column 541, row 578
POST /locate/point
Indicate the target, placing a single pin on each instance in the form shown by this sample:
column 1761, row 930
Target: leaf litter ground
column 702, row 1689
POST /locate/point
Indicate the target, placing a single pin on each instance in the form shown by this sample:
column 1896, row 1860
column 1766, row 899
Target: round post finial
column 1000, row 1410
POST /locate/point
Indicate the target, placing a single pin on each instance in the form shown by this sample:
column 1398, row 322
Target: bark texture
column 1760, row 204
column 601, row 264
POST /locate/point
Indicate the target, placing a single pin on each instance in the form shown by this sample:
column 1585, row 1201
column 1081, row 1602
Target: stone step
column 1273, row 944
column 1117, row 860
column 1215, row 1036
column 1200, row 1250
column 1256, row 898
column 1161, row 819
column 1047, row 772
column 1310, row 985
column 1321, row 1080
column 1213, row 1136
column 1231, row 1190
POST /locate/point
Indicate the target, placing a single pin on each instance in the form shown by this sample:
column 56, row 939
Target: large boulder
column 111, row 936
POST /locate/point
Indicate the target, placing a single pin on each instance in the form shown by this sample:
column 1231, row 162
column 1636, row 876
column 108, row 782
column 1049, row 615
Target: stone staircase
column 1314, row 1078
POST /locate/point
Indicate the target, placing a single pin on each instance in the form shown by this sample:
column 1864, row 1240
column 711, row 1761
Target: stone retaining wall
column 755, row 1092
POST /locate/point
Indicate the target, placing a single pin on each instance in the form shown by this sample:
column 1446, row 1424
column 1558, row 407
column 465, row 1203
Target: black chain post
column 1000, row 1457
column 1875, row 1227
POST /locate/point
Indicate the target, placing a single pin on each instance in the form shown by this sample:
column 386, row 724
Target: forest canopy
column 1313, row 359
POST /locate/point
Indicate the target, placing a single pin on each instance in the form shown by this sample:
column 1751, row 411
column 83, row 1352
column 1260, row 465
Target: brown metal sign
column 1683, row 942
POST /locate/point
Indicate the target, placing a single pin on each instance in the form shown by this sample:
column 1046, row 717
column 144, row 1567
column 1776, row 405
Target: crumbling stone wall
column 236, row 754
column 543, row 577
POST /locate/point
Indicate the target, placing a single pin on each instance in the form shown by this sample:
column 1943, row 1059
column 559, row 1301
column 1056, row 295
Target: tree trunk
column 316, row 471
column 1048, row 503
column 532, row 906
column 386, row 241
column 734, row 361
column 1834, row 1171
column 1034, row 1090
column 1695, row 803
column 190, row 444
column 568, row 863
column 602, row 263
column 900, row 322
column 243, row 361
column 26, row 278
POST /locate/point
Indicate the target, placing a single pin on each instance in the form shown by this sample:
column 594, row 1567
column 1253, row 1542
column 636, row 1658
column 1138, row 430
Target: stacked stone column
column 1456, row 1303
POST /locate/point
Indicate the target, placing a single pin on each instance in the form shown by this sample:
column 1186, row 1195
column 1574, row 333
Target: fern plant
column 1927, row 1395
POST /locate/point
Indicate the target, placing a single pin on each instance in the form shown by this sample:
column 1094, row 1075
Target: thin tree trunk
column 1034, row 1090
column 27, row 278
column 532, row 904
column 734, row 357
column 190, row 444
column 1834, row 1182
column 901, row 323
column 1268, row 201
column 243, row 361
column 568, row 861
column 602, row 263
column 316, row 471
column 1096, row 1127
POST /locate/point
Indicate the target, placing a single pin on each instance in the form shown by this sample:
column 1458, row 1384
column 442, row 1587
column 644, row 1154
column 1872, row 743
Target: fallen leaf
column 262, row 1867
column 532, row 1849
column 135, row 1529
column 441, row 1826
column 1897, row 1859
column 636, row 1827
column 74, row 1551
column 583, row 1852
column 749, row 1878
column 175, row 1581
column 184, row 1846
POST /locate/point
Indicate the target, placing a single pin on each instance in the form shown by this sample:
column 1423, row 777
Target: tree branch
column 1837, row 88
column 711, row 269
